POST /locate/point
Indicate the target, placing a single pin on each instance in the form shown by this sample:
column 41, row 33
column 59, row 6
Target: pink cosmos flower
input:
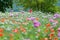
column 36, row 23
column 51, row 20
column 58, row 34
column 32, row 18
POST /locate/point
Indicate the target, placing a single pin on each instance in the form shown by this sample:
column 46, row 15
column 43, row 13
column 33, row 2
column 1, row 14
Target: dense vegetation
column 35, row 5
column 5, row 4
column 29, row 26
column 39, row 5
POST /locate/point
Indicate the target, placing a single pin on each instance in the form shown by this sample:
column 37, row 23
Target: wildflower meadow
column 29, row 19
column 29, row 26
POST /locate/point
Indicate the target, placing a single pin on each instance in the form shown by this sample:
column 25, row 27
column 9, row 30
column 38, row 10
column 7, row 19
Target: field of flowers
column 29, row 26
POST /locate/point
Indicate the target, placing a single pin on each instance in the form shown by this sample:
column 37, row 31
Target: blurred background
column 25, row 5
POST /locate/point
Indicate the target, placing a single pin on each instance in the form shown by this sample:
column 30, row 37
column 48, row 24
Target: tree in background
column 39, row 5
column 5, row 4
column 49, row 6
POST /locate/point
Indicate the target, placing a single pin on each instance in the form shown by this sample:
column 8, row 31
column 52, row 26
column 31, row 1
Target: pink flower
column 32, row 18
column 15, row 30
column 10, row 14
column 36, row 23
column 58, row 29
column 51, row 20
column 58, row 34
column 28, row 19
column 55, row 21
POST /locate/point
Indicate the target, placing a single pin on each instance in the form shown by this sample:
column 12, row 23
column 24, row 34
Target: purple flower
column 36, row 23
column 58, row 34
column 57, row 15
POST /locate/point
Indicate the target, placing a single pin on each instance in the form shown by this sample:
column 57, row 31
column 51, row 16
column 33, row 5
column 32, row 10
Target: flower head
column 15, row 30
column 32, row 18
column 57, row 15
column 51, row 20
column 58, row 34
column 36, row 23
column 48, row 25
column 58, row 29
column 1, row 34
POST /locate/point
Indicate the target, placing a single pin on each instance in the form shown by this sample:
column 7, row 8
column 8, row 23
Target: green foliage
column 58, row 10
column 42, row 5
column 5, row 4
